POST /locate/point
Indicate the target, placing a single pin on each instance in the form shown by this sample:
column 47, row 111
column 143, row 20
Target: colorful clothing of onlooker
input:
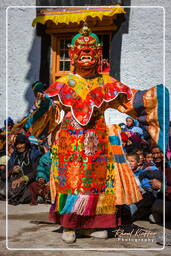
column 43, row 168
column 149, row 173
column 41, row 187
column 21, row 165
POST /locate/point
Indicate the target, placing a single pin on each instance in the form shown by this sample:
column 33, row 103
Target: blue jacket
column 43, row 168
column 147, row 174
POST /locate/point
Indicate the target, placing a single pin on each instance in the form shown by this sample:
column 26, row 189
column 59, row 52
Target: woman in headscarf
column 21, row 166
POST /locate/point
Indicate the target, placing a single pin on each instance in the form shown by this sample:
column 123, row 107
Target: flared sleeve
column 151, row 109
column 43, row 119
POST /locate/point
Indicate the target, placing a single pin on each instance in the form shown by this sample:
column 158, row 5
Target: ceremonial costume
column 89, row 174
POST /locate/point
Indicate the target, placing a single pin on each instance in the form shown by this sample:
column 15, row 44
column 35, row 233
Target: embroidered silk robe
column 89, row 172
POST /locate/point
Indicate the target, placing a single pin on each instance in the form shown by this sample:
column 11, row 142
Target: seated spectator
column 147, row 175
column 3, row 161
column 164, row 188
column 2, row 145
column 133, row 160
column 21, row 166
column 157, row 156
column 12, row 134
column 157, row 208
column 144, row 176
column 40, row 189
column 130, row 123
column 148, row 157
column 132, row 126
column 142, row 209
column 133, row 143
column 140, row 153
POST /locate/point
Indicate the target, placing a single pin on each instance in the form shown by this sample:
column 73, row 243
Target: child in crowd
column 148, row 157
column 143, row 177
column 148, row 160
column 133, row 160
column 140, row 153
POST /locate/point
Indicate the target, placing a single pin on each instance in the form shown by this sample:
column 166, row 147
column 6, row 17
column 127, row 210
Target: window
column 60, row 60
column 63, row 23
column 64, row 64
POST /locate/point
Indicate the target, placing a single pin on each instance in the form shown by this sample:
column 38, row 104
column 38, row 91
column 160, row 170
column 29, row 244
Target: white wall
column 141, row 57
column 23, row 62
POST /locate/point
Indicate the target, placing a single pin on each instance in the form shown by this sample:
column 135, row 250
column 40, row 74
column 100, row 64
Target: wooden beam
column 75, row 30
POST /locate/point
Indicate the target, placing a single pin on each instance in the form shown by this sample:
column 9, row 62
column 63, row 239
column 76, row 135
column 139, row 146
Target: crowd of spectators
column 148, row 163
column 29, row 160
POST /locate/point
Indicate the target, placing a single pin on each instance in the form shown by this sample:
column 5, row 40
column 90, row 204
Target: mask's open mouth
column 85, row 58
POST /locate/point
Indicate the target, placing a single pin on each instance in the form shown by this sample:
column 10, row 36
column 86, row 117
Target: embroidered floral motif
column 90, row 143
column 65, row 142
column 74, row 174
column 99, row 174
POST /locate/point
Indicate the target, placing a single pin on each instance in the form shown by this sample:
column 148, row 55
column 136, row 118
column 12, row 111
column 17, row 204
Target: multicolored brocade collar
column 82, row 95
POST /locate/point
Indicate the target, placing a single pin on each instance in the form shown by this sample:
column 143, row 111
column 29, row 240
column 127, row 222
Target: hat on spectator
column 21, row 139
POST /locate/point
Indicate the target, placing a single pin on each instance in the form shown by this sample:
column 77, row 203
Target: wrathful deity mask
column 85, row 49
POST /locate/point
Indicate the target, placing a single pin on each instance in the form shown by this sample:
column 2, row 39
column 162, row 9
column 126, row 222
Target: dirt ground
column 27, row 230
